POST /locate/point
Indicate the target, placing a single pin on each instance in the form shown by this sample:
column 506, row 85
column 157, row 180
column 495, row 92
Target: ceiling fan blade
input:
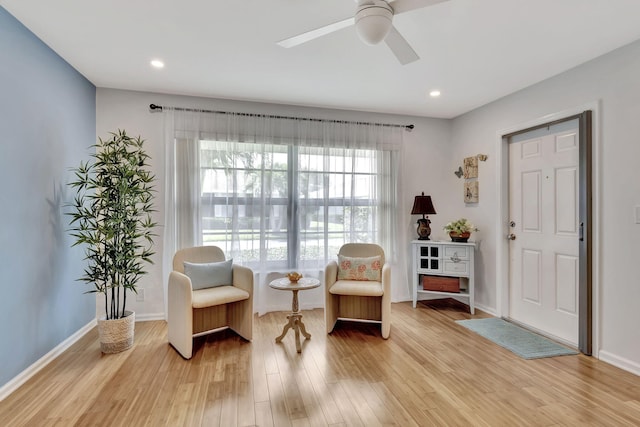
column 401, row 6
column 314, row 34
column 400, row 48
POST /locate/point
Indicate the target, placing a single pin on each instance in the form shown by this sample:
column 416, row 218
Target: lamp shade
column 422, row 205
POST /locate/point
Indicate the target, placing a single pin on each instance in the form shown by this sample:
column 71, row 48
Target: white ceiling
column 474, row 51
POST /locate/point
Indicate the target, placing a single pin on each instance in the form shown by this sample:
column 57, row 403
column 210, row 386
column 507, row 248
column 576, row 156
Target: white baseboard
column 619, row 362
column 150, row 316
column 489, row 310
column 25, row 375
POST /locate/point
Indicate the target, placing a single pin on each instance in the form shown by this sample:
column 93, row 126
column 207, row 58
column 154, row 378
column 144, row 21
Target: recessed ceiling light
column 156, row 63
column 434, row 93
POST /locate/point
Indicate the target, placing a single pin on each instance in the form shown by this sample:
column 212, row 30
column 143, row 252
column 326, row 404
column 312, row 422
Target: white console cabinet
column 453, row 259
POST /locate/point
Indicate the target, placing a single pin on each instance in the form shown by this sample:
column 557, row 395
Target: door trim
column 589, row 332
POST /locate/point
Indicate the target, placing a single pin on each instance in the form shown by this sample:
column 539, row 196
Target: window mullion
column 326, row 182
column 293, row 236
column 265, row 208
column 352, row 216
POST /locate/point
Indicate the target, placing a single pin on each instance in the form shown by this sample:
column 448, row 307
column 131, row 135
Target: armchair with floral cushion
column 358, row 287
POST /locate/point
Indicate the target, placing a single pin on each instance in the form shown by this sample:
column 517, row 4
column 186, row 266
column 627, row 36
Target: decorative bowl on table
column 294, row 277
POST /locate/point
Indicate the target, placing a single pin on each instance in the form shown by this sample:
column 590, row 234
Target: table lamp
column 422, row 205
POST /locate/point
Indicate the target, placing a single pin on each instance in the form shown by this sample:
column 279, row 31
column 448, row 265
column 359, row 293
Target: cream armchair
column 197, row 312
column 358, row 299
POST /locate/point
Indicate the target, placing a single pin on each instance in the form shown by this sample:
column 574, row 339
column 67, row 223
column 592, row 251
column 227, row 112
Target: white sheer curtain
column 279, row 194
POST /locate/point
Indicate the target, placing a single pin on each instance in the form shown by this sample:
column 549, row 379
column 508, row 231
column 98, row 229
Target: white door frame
column 502, row 219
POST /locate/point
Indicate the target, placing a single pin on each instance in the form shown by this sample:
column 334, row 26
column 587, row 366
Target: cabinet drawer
column 458, row 268
column 441, row 284
column 461, row 252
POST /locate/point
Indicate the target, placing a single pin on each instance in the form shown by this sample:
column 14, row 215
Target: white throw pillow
column 210, row 274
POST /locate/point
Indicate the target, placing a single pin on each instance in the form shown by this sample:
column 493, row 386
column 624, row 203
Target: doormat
column 520, row 341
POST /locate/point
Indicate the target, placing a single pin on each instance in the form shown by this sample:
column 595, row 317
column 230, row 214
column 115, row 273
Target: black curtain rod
column 155, row 107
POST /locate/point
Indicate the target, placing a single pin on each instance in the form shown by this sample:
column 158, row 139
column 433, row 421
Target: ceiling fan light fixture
column 373, row 22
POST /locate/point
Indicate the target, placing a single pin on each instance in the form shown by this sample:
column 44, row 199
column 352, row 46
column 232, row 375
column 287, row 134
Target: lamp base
column 424, row 231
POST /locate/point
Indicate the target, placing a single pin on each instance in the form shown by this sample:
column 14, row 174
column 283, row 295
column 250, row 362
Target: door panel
column 531, row 211
column 531, row 274
column 567, row 274
column 567, row 201
column 543, row 259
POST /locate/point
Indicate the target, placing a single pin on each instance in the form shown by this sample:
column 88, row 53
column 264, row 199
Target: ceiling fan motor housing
column 373, row 21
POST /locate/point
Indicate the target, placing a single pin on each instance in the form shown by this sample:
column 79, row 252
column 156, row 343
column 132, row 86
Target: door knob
column 511, row 236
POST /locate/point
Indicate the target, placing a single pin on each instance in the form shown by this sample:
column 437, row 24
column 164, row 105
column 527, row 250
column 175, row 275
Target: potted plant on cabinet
column 111, row 216
column 460, row 230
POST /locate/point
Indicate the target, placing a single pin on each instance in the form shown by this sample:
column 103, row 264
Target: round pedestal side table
column 295, row 318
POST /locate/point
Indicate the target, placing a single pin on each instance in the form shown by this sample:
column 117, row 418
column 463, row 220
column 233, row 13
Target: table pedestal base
column 295, row 323
column 295, row 318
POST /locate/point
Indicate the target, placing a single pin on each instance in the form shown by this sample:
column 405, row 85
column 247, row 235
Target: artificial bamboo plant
column 111, row 215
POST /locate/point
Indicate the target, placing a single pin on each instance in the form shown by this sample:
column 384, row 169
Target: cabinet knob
column 455, row 257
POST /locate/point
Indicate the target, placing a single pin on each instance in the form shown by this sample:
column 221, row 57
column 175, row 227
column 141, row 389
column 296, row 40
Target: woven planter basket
column 116, row 335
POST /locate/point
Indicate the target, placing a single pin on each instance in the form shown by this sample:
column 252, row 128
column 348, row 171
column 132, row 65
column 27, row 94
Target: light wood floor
column 431, row 371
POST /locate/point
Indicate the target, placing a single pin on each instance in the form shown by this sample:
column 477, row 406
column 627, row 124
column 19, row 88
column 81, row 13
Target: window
column 286, row 206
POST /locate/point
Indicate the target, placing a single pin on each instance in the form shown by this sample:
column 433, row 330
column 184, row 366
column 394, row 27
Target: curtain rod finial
column 155, row 107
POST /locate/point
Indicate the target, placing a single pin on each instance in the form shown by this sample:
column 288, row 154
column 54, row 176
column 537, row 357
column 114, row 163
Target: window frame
column 293, row 202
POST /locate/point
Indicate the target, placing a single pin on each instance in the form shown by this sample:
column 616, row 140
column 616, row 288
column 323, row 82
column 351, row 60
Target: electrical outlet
column 140, row 295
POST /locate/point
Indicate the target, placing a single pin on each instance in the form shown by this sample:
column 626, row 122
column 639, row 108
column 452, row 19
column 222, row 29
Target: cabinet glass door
column 429, row 257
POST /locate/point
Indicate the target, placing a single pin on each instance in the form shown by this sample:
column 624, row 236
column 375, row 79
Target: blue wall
column 47, row 124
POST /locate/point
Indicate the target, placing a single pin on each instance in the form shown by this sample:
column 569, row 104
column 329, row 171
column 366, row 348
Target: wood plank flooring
column 431, row 371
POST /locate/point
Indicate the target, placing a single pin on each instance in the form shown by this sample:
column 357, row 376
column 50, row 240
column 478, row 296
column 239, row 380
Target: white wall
column 426, row 160
column 612, row 83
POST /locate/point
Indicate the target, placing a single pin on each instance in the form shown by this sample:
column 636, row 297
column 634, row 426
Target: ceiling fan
column 372, row 21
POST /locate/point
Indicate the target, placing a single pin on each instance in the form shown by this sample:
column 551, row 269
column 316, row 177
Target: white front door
column 543, row 209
